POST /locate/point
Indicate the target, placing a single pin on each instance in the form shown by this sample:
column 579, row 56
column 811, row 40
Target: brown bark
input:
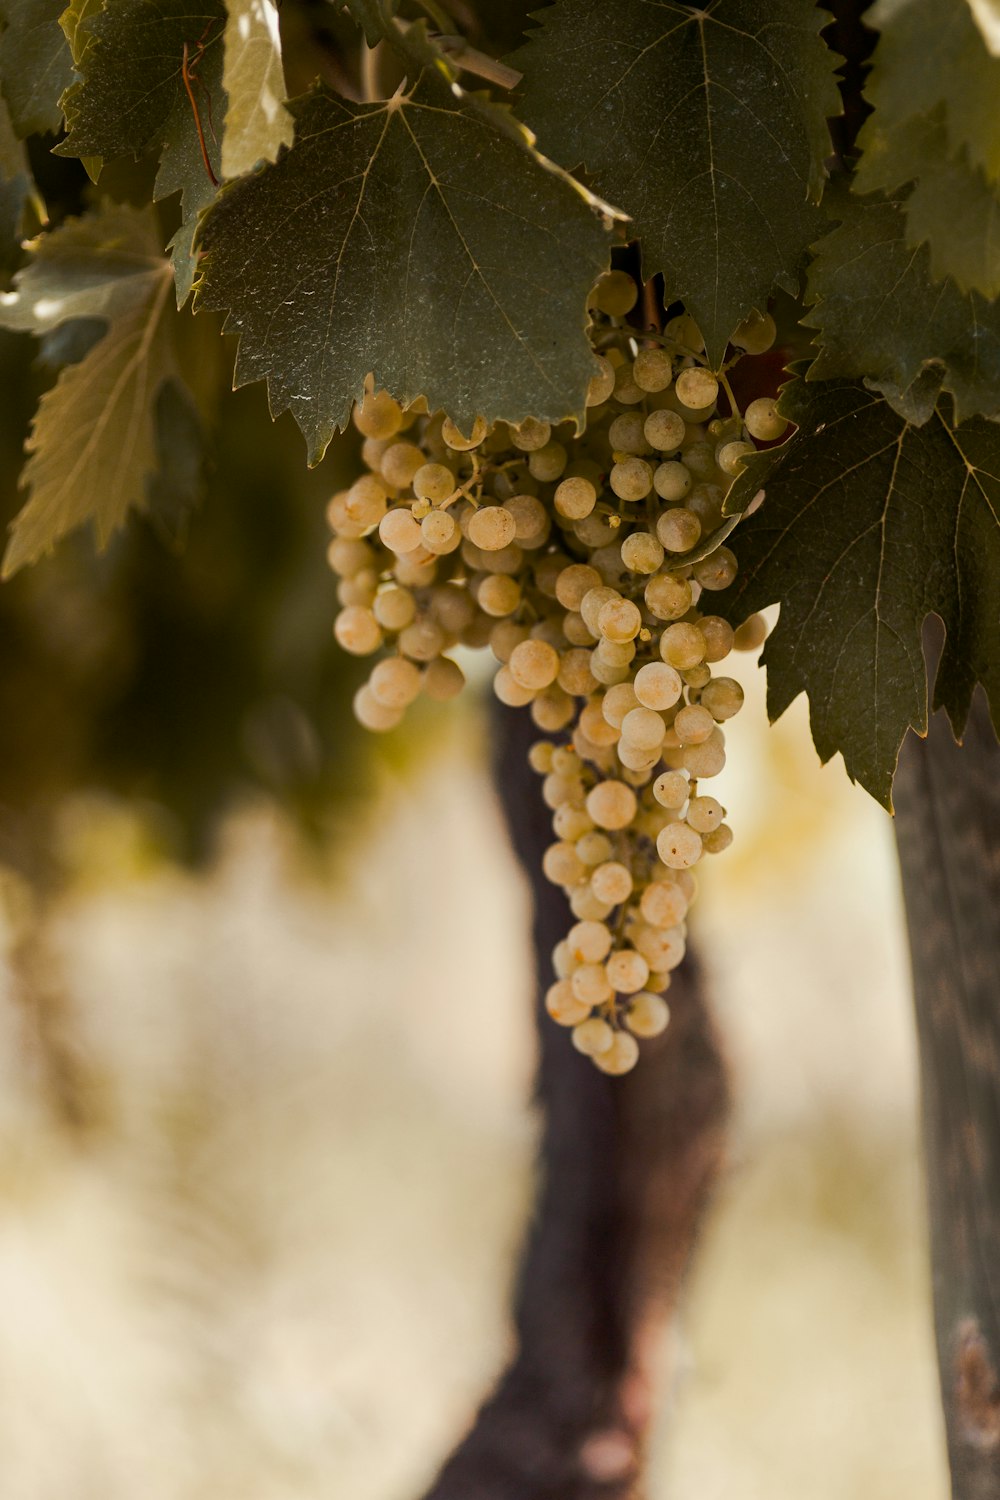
column 626, row 1165
column 948, row 836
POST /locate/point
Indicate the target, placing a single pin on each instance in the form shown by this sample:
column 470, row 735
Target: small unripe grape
column 439, row 533
column 632, row 479
column 627, row 971
column 719, row 839
column 399, row 531
column 563, row 1006
column 755, row 334
column 499, row 595
column 641, row 552
column 575, row 498
column 357, row 630
column 530, row 435
column 763, row 421
column 663, row 904
column 594, row 848
column 400, row 463
column 626, row 433
column 696, row 388
column 661, row 947
column 705, row 814
column 643, row 729
column 590, row 984
column 723, row 697
column 619, row 620
column 602, row 383
column 395, row 682
column 697, row 677
column 718, row 635
column 378, row 416
column 433, row 482
column 653, row 369
column 593, row 1037
column 730, row 456
column 509, row 690
column 664, row 431
column 672, row 481
column 706, row 759
column 534, row 664
column 562, row 865
column 612, row 882
column 668, row 596
column 679, row 846
column 693, row 725
column 657, row 685
column 590, row 942
column 443, row 679
column 531, row 519
column 373, row 715
column 751, row 634
column 615, row 294
column 682, row 646
column 617, row 702
column 671, row 789
column 718, row 570
column 586, row 906
column 678, row 530
column 574, row 583
column 422, row 640
column 648, row 1015
column 621, row 1056
column 612, row 804
column 540, row 756
column 456, row 439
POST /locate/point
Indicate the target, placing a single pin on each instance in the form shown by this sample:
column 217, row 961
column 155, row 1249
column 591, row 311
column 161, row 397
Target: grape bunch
column 586, row 563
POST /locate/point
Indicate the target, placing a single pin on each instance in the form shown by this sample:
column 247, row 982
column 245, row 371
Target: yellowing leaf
column 257, row 122
column 92, row 446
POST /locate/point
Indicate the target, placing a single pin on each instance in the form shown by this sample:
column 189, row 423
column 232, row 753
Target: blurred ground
column 265, row 1152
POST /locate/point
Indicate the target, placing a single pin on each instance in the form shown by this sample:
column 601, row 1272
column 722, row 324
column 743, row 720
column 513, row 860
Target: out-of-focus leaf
column 257, row 122
column 92, row 446
column 35, row 63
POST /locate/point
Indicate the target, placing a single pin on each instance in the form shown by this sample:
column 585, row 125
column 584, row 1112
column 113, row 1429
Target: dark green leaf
column 952, row 205
column 93, row 442
column 882, row 317
column 373, row 16
column 931, row 54
column 35, row 63
column 133, row 99
column 868, row 526
column 707, row 125
column 429, row 248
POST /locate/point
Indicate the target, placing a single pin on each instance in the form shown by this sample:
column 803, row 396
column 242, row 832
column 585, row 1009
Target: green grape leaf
column 431, row 250
column 883, row 318
column 134, row 98
column 952, row 205
column 868, row 525
column 373, row 16
column 932, row 55
column 93, row 443
column 257, row 122
column 706, row 125
column 35, row 63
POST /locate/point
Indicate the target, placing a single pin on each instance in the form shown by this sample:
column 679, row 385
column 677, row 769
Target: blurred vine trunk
column 626, row 1167
column 948, row 836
